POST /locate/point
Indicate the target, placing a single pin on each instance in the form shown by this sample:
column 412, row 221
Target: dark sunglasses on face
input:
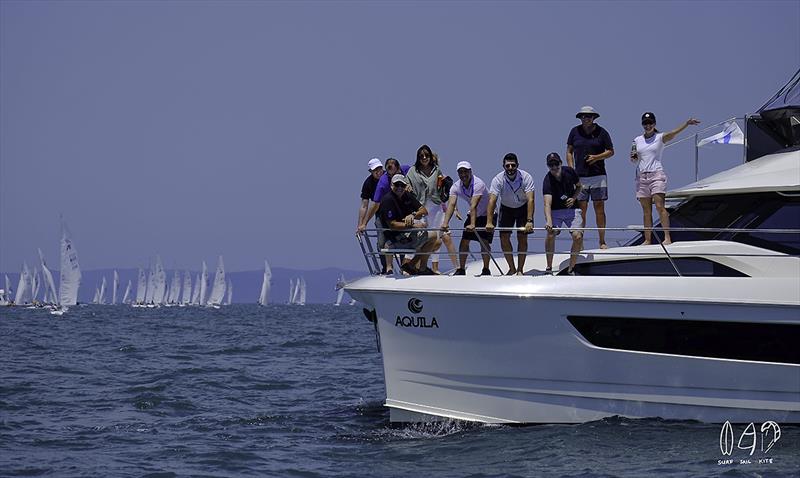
column 554, row 166
column 399, row 185
column 645, row 123
column 587, row 117
column 510, row 166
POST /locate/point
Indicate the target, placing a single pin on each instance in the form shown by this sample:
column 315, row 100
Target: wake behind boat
column 703, row 329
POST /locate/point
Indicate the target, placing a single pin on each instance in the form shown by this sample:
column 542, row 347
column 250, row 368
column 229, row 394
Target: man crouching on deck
column 401, row 210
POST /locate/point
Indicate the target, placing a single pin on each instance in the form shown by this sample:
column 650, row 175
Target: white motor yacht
column 706, row 328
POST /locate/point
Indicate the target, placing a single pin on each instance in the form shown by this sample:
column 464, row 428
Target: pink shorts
column 649, row 184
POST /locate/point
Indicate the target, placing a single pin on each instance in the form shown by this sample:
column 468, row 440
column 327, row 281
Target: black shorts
column 513, row 216
column 480, row 221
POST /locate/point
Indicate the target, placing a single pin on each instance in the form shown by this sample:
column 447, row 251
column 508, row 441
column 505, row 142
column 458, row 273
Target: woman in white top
column 651, row 181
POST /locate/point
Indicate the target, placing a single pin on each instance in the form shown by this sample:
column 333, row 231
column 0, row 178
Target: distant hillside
column 246, row 285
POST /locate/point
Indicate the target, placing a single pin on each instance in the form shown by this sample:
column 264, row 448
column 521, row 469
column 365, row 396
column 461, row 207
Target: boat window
column 787, row 216
column 752, row 211
column 688, row 266
column 763, row 342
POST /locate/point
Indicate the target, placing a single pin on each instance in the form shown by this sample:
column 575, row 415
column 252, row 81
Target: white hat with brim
column 463, row 164
column 587, row 110
column 374, row 164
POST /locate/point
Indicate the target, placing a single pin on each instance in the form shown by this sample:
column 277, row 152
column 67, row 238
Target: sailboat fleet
column 36, row 287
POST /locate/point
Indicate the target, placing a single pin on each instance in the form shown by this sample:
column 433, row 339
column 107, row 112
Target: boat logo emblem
column 415, row 305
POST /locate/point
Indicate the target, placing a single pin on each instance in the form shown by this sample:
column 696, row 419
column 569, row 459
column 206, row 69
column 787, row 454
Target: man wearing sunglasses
column 515, row 189
column 588, row 147
column 560, row 188
column 401, row 212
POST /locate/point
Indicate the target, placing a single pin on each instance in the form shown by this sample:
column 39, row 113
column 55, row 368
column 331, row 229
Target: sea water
column 292, row 391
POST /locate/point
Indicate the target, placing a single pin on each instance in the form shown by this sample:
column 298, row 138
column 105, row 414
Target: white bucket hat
column 587, row 110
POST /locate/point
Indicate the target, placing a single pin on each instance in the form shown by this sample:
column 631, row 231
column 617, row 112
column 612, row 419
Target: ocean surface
column 286, row 391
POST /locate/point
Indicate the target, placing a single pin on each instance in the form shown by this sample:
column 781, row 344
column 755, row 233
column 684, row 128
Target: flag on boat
column 732, row 134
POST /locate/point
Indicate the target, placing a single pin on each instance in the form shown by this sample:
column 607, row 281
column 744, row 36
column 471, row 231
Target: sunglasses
column 554, row 166
column 645, row 123
column 587, row 116
column 510, row 166
column 399, row 185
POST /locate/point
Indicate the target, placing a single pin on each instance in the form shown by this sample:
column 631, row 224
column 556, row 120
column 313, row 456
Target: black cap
column 510, row 157
column 553, row 159
column 648, row 118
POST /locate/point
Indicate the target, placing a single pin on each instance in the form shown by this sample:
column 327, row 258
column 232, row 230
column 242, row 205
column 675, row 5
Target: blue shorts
column 594, row 187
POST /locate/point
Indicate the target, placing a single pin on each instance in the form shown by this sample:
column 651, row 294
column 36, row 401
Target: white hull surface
column 503, row 349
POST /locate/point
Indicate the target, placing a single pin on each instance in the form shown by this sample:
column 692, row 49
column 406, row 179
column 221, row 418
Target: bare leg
column 549, row 248
column 508, row 251
column 647, row 211
column 663, row 215
column 463, row 248
column 577, row 245
column 522, row 249
column 451, row 248
column 600, row 219
column 486, row 251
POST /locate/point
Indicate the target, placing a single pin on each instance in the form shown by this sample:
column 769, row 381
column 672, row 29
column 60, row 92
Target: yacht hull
column 515, row 356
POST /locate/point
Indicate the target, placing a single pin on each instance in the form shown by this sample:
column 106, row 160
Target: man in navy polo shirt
column 561, row 187
column 588, row 146
column 400, row 211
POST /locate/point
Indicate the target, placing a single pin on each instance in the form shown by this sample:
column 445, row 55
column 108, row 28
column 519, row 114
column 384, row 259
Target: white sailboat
column 23, row 292
column 114, row 287
column 70, row 273
column 160, row 282
column 218, row 287
column 292, row 292
column 101, row 297
column 141, row 288
column 49, row 284
column 302, row 292
column 203, row 284
column 8, row 292
column 174, row 289
column 35, row 284
column 229, row 293
column 151, row 286
column 196, row 293
column 96, row 296
column 340, row 290
column 263, row 298
column 126, row 297
column 186, row 296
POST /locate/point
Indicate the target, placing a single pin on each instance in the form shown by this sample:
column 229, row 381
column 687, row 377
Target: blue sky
column 192, row 129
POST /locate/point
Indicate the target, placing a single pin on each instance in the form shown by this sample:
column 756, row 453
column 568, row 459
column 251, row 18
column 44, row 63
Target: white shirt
column 649, row 153
column 476, row 187
column 512, row 193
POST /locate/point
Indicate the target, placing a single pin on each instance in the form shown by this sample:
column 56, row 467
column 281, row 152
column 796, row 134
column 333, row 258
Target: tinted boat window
column 688, row 266
column 752, row 211
column 731, row 340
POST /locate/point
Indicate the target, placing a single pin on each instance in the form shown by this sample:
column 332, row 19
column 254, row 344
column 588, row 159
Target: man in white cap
column 401, row 212
column 375, row 167
column 473, row 191
column 588, row 146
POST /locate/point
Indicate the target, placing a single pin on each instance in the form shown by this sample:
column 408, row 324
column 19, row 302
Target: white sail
column 203, row 283
column 114, row 287
column 96, row 296
column 141, row 287
column 263, row 298
column 186, row 296
column 302, row 286
column 35, row 284
column 70, row 273
column 160, row 282
column 340, row 290
column 127, row 295
column 22, row 286
column 9, row 291
column 174, row 288
column 49, row 284
column 101, row 299
column 229, row 293
column 196, row 293
column 151, row 285
column 291, row 291
column 218, row 287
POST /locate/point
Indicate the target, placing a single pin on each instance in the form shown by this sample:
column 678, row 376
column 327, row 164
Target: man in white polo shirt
column 514, row 187
column 473, row 191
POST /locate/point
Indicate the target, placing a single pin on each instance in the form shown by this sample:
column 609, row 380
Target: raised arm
column 671, row 135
